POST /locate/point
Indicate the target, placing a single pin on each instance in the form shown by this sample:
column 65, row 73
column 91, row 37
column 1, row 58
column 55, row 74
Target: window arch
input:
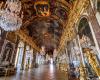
column 85, row 35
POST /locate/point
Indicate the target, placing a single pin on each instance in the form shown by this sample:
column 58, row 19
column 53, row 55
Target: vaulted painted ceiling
column 46, row 30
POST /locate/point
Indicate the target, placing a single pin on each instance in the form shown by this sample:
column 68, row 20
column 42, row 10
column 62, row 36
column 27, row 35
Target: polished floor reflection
column 44, row 72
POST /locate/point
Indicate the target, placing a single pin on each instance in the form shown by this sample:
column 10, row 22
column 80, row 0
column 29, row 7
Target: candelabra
column 10, row 15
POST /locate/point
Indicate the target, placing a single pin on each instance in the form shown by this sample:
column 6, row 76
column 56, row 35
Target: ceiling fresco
column 44, row 21
column 45, row 32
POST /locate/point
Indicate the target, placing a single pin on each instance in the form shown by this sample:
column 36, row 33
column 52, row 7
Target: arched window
column 85, row 35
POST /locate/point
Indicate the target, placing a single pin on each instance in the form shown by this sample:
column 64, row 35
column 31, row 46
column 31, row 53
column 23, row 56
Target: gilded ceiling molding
column 75, row 13
column 27, row 39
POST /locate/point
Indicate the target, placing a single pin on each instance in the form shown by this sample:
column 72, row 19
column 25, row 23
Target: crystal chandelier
column 11, row 15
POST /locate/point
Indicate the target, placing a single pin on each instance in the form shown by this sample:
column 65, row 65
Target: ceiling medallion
column 42, row 8
column 11, row 15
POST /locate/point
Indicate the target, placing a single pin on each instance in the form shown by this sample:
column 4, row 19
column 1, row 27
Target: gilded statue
column 92, row 61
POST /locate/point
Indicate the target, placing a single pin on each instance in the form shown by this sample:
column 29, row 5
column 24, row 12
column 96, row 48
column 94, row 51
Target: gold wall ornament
column 42, row 8
column 11, row 15
column 92, row 61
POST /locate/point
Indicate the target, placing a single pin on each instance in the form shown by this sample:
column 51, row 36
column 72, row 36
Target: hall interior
column 49, row 39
